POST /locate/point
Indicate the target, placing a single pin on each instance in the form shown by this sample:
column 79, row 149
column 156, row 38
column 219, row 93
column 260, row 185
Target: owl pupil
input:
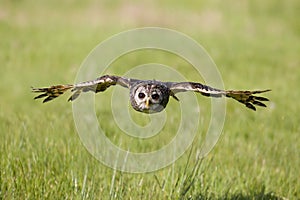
column 141, row 95
column 155, row 96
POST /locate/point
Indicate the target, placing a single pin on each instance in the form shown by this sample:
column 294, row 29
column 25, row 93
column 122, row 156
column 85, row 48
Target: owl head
column 149, row 97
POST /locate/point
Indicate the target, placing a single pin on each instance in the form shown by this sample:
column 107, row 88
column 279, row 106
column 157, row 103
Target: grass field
column 255, row 45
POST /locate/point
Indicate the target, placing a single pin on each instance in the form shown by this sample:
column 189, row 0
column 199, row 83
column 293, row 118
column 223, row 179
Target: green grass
column 255, row 46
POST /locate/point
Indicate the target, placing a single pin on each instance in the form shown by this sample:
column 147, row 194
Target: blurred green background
column 255, row 45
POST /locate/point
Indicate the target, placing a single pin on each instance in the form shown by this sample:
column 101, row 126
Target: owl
column 150, row 96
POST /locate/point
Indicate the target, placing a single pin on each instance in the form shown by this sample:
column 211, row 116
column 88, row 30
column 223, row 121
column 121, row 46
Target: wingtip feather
column 249, row 105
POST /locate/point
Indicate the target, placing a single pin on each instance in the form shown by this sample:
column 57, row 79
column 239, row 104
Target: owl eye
column 155, row 96
column 141, row 95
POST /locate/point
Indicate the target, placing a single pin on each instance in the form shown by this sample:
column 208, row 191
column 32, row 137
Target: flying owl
column 150, row 96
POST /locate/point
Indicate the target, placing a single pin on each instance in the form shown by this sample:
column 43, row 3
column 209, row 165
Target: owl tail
column 52, row 92
column 248, row 98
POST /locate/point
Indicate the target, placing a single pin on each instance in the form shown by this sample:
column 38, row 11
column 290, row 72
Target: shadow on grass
column 192, row 183
column 258, row 192
column 239, row 196
column 266, row 196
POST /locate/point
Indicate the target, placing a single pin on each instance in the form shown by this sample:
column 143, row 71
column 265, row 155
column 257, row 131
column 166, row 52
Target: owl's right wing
column 98, row 85
column 245, row 97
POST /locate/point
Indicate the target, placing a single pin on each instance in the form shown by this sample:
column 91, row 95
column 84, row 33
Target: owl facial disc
column 149, row 97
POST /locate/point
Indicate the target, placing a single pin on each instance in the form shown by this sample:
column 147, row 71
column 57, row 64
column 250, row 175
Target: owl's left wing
column 246, row 97
column 98, row 85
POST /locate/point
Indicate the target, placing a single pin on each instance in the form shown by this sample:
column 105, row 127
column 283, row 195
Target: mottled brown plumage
column 150, row 96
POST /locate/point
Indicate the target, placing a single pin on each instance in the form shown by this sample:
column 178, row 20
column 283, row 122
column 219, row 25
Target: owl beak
column 147, row 103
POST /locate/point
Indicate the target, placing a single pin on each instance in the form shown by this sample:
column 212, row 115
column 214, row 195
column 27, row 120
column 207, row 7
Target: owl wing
column 98, row 85
column 247, row 98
